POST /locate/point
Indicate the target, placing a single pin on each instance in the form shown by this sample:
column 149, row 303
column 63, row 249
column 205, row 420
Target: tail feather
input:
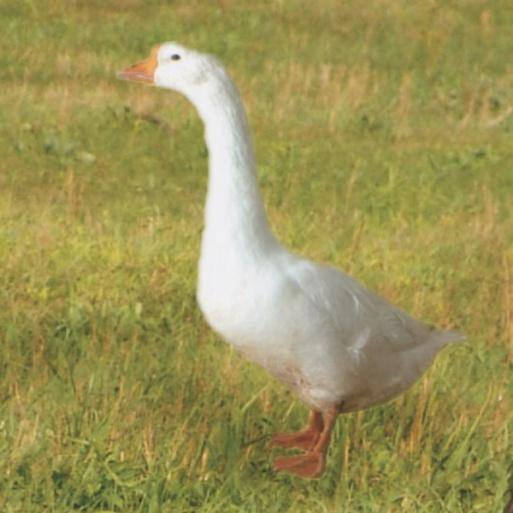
column 447, row 337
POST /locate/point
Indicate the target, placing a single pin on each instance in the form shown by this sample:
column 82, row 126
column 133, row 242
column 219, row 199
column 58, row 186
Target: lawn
column 383, row 132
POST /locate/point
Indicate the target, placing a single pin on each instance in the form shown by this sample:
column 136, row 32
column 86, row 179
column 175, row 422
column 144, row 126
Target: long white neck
column 235, row 222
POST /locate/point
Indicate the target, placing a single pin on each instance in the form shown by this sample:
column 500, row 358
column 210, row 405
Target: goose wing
column 359, row 315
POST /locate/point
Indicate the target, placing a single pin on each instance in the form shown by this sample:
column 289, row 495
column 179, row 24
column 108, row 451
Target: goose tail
column 443, row 338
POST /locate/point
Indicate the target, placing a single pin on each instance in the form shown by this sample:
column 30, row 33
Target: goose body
column 337, row 345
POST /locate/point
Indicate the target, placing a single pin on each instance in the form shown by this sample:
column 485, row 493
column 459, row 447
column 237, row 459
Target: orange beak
column 143, row 71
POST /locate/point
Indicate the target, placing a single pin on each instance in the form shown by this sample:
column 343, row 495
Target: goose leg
column 305, row 439
column 312, row 463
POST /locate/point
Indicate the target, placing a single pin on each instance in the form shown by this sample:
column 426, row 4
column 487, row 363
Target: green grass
column 383, row 131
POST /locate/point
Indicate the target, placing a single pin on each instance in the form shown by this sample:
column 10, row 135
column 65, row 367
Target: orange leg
column 305, row 439
column 312, row 463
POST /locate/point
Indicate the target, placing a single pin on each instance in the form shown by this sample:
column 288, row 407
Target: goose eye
column 175, row 57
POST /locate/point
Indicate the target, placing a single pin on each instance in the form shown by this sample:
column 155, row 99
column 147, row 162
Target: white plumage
column 336, row 344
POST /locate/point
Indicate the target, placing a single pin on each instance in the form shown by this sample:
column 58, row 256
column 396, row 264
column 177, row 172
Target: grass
column 383, row 132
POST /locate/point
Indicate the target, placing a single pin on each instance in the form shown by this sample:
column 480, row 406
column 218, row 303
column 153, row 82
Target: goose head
column 173, row 66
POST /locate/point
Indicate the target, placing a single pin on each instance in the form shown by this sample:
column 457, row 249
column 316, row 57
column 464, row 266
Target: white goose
column 337, row 345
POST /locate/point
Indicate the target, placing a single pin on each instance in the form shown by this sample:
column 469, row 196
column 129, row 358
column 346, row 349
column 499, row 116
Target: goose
column 338, row 346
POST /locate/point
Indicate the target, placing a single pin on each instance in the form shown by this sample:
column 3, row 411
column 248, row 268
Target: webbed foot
column 309, row 465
